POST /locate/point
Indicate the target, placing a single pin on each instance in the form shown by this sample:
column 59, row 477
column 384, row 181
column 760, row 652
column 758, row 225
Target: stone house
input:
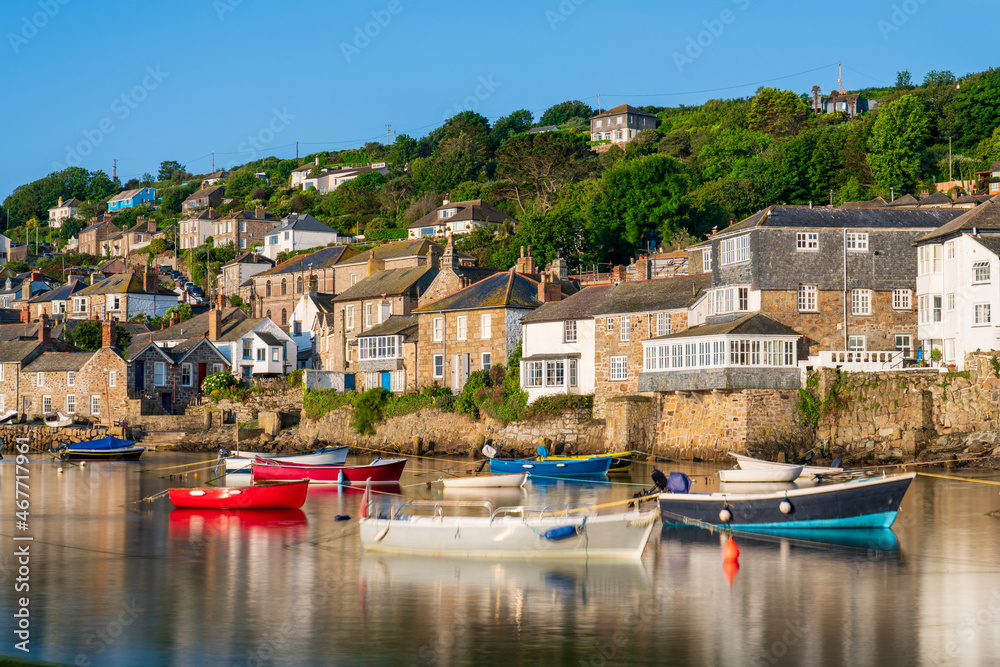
column 193, row 230
column 299, row 231
column 171, row 377
column 276, row 291
column 620, row 124
column 122, row 297
column 630, row 313
column 387, row 355
column 452, row 272
column 474, row 328
column 238, row 271
column 92, row 236
column 958, row 268
column 55, row 302
column 397, row 255
column 458, row 217
column 369, row 303
column 207, row 196
column 243, row 229
column 842, row 277
column 63, row 211
column 87, row 384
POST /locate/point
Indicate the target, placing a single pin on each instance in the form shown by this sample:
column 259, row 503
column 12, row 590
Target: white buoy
column 785, row 507
column 83, row 464
column 59, row 470
column 725, row 516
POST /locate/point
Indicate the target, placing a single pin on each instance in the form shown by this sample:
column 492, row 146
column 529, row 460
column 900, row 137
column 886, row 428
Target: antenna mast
column 840, row 77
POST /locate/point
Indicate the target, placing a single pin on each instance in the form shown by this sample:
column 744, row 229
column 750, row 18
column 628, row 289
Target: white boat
column 760, row 475
column 240, row 461
column 57, row 419
column 750, row 463
column 516, row 479
column 430, row 528
column 8, row 416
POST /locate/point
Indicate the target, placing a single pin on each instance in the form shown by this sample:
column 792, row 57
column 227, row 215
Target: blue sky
column 87, row 83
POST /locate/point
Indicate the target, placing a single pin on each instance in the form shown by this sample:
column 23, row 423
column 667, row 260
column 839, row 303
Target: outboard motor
column 659, row 486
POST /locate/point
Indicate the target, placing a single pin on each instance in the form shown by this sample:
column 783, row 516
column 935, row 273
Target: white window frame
column 95, row 404
column 735, row 250
column 555, row 373
column 159, row 371
column 981, row 272
column 46, row 404
column 40, row 379
column 216, row 368
column 369, row 314
column 928, row 259
column 1, row 372
column 626, row 328
column 861, row 302
column 533, row 374
column 486, row 360
column 663, row 324
column 70, row 378
column 855, row 343
column 904, row 343
column 187, row 375
column 609, row 324
column 112, row 378
column 70, row 404
column 856, row 241
column 949, row 250
column 486, row 326
column 461, row 327
column 438, row 363
column 618, row 368
column 570, row 333
column 573, row 373
column 808, row 299
column 950, row 301
column 902, row 299
column 807, row 241
column 349, row 317
column 438, row 328
column 706, row 260
column 981, row 315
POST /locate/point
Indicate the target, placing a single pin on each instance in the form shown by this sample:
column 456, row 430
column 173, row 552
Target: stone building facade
column 171, row 378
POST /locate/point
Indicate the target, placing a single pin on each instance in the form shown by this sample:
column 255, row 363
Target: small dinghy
column 750, row 463
column 56, row 419
column 9, row 416
column 768, row 475
column 379, row 471
column 108, row 448
column 274, row 496
column 592, row 465
column 513, row 480
column 239, row 461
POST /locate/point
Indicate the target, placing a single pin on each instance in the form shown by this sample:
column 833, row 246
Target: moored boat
column 56, row 419
column 860, row 503
column 764, row 475
column 508, row 532
column 621, row 462
column 512, row 480
column 274, row 496
column 379, row 471
column 591, row 465
column 750, row 463
column 108, row 448
column 239, row 461
column 8, row 416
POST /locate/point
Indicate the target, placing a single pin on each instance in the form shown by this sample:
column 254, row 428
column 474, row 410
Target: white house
column 194, row 230
column 331, row 178
column 4, row 249
column 558, row 345
column 303, row 319
column 236, row 272
column 958, row 271
column 457, row 217
column 300, row 231
column 62, row 211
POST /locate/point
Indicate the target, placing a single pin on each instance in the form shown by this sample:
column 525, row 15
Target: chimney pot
column 108, row 333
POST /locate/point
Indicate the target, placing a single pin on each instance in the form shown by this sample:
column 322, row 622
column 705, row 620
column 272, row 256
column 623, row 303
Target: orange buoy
column 730, row 552
column 730, row 568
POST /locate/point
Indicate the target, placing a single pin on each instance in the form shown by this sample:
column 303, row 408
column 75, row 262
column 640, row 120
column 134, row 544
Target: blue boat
column 597, row 465
column 862, row 503
column 108, row 448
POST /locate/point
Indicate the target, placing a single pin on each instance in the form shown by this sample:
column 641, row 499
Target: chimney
column 44, row 332
column 260, row 213
column 26, row 288
column 60, row 202
column 211, row 212
column 214, row 324
column 25, row 316
column 643, row 268
column 175, row 319
column 220, row 302
column 619, row 274
column 316, row 162
column 449, row 260
column 432, row 260
column 150, row 283
column 549, row 288
column 375, row 265
column 526, row 263
column 446, row 200
column 108, row 333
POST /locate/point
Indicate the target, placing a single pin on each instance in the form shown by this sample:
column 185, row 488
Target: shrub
column 295, row 378
column 315, row 404
column 368, row 410
column 219, row 381
column 467, row 401
column 558, row 403
column 397, row 406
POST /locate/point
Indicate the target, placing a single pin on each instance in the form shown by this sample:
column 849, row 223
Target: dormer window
column 447, row 213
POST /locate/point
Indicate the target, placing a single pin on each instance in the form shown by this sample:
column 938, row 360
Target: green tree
column 172, row 198
column 157, row 246
column 974, row 112
column 507, row 126
column 562, row 112
column 89, row 335
column 183, row 311
column 101, row 186
column 904, row 79
column 897, row 143
column 167, row 169
column 945, row 77
column 70, row 228
column 400, row 153
column 779, row 113
column 536, row 167
column 242, row 184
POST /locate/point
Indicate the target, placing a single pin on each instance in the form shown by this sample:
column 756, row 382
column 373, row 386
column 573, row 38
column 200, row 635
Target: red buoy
column 730, row 552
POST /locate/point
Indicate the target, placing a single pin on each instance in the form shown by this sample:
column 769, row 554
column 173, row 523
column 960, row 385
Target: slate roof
column 55, row 362
column 181, row 350
column 622, row 109
column 72, row 202
column 390, row 282
column 994, row 166
column 268, row 338
column 877, row 202
column 96, row 225
column 124, row 196
column 205, row 192
column 61, row 293
column 203, row 214
column 250, row 215
column 303, row 222
column 503, row 290
column 137, row 348
column 395, row 325
column 936, row 198
column 543, row 128
column 654, row 295
column 240, row 329
column 14, row 352
column 984, row 216
column 968, row 199
column 751, row 324
column 321, row 259
column 251, row 258
column 195, row 327
column 397, row 250
column 580, row 306
column 324, row 302
column 474, row 210
column 873, row 218
column 121, row 283
column 989, row 241
column 905, row 200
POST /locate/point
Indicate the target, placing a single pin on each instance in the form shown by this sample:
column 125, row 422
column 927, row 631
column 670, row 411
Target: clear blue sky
column 145, row 82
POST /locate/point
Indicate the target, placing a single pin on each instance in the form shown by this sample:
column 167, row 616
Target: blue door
column 140, row 375
column 348, row 381
column 387, row 380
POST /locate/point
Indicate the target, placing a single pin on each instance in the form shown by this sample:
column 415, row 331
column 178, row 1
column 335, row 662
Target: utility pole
column 949, row 158
column 831, row 197
column 114, row 171
column 213, row 162
column 296, row 149
column 387, row 131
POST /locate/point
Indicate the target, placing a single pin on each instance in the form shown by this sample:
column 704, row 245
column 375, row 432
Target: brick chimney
column 175, row 318
column 150, row 283
column 44, row 332
column 643, row 268
column 260, row 213
column 619, row 274
column 526, row 263
column 375, row 265
column 549, row 289
column 108, row 333
column 432, row 260
column 450, row 259
column 220, row 302
column 214, row 324
column 25, row 315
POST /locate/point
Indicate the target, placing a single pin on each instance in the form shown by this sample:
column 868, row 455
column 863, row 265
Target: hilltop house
column 621, row 124
column 213, row 179
column 206, row 197
column 244, row 229
column 460, row 217
column 93, row 235
column 330, row 178
column 849, row 104
column 299, row 231
column 63, row 211
column 132, row 198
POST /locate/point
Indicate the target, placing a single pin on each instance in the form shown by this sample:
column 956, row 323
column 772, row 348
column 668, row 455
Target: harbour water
column 115, row 583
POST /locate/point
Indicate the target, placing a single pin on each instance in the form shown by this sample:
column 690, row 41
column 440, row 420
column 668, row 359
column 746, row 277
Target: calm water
column 114, row 583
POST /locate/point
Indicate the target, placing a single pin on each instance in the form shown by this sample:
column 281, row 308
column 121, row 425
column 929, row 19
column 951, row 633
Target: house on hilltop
column 459, row 217
column 299, row 231
column 63, row 211
column 620, row 124
column 132, row 198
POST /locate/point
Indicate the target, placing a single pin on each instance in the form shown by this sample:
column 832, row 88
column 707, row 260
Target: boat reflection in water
column 829, row 542
column 204, row 525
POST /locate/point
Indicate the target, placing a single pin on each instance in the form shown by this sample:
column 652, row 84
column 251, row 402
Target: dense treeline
column 701, row 167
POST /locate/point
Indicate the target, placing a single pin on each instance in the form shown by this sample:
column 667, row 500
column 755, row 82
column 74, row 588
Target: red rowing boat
column 280, row 496
column 379, row 471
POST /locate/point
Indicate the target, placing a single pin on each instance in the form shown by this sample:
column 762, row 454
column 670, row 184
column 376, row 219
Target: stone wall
column 631, row 424
column 41, row 438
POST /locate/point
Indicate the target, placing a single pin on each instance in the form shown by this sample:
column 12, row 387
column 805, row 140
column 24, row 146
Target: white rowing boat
column 512, row 480
column 750, row 463
column 432, row 528
column 240, row 461
column 769, row 475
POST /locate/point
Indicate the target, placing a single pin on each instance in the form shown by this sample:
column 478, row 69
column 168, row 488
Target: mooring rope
column 960, row 479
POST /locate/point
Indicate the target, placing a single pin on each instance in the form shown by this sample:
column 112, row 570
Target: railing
column 861, row 360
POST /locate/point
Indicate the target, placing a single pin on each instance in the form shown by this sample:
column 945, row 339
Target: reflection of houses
column 620, row 124
column 171, row 377
column 458, row 217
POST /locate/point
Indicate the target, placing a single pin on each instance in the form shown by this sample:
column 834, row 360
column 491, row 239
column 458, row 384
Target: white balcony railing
column 861, row 360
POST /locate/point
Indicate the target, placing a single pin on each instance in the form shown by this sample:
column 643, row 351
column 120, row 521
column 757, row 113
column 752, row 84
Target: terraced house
column 275, row 292
column 122, row 297
column 243, row 229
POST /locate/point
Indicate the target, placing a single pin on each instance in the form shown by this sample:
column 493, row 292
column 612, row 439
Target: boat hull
column 568, row 468
column 119, row 454
column 615, row 536
column 268, row 497
column 513, row 480
column 240, row 462
column 620, row 461
column 769, row 475
column 870, row 503
column 387, row 471
column 750, row 463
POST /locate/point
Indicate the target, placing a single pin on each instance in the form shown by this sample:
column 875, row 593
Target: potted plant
column 936, row 356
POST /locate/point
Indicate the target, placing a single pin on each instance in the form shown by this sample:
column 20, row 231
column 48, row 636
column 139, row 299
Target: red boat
column 280, row 496
column 379, row 471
